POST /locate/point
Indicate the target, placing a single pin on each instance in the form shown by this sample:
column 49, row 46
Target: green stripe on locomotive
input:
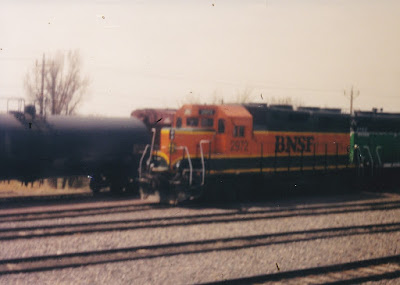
column 377, row 135
column 384, row 147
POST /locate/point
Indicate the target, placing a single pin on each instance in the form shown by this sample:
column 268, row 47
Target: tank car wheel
column 116, row 186
column 95, row 184
column 132, row 188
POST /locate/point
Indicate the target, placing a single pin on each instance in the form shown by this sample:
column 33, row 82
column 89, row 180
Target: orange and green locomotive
column 210, row 144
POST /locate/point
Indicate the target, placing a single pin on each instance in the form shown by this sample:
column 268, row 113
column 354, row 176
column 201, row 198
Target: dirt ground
column 14, row 188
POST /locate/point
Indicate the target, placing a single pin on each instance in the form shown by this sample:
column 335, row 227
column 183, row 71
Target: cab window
column 207, row 122
column 221, row 126
column 238, row 131
column 192, row 122
column 206, row 112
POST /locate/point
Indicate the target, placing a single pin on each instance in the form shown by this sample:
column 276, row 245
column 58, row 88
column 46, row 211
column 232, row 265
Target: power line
column 382, row 96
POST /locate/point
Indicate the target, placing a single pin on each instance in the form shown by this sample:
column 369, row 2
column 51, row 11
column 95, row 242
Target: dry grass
column 15, row 188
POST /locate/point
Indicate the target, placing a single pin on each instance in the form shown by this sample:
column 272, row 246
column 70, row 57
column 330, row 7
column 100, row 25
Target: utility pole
column 41, row 94
column 352, row 96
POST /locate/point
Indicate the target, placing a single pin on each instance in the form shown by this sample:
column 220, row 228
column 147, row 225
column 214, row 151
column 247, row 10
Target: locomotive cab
column 193, row 124
column 235, row 130
column 201, row 131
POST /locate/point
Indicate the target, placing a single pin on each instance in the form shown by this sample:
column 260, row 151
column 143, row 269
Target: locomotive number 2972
column 241, row 145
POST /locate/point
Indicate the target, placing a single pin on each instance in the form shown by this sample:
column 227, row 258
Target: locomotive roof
column 230, row 110
column 236, row 111
column 308, row 119
column 376, row 114
column 373, row 121
column 323, row 110
column 289, row 108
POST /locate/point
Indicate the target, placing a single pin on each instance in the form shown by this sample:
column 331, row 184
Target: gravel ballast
column 293, row 244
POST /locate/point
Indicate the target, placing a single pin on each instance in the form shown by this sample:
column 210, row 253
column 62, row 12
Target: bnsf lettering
column 293, row 144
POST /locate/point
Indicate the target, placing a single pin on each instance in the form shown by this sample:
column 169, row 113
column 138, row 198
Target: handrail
column 153, row 130
column 203, row 168
column 20, row 101
column 372, row 160
column 189, row 160
column 359, row 156
column 141, row 160
column 377, row 154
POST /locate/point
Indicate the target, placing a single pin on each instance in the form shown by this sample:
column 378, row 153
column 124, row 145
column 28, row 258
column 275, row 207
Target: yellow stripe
column 217, row 156
column 279, row 169
column 297, row 133
column 251, row 170
column 163, row 155
column 220, row 156
column 195, row 132
column 283, row 154
column 180, row 131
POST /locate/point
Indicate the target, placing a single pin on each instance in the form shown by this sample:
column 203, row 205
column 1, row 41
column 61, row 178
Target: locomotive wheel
column 212, row 191
column 143, row 194
column 160, row 185
column 229, row 190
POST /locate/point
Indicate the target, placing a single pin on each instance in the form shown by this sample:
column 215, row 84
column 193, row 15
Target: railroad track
column 79, row 212
column 60, row 261
column 232, row 216
column 43, row 198
column 376, row 269
column 55, row 230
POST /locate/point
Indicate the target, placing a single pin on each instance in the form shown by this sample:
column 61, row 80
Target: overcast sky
column 157, row 53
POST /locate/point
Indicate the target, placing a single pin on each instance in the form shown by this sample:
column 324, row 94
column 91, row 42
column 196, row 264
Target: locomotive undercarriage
column 181, row 183
column 245, row 187
column 171, row 188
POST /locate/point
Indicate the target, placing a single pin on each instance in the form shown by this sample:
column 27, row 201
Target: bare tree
column 285, row 101
column 64, row 85
column 33, row 84
column 244, row 96
column 216, row 98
